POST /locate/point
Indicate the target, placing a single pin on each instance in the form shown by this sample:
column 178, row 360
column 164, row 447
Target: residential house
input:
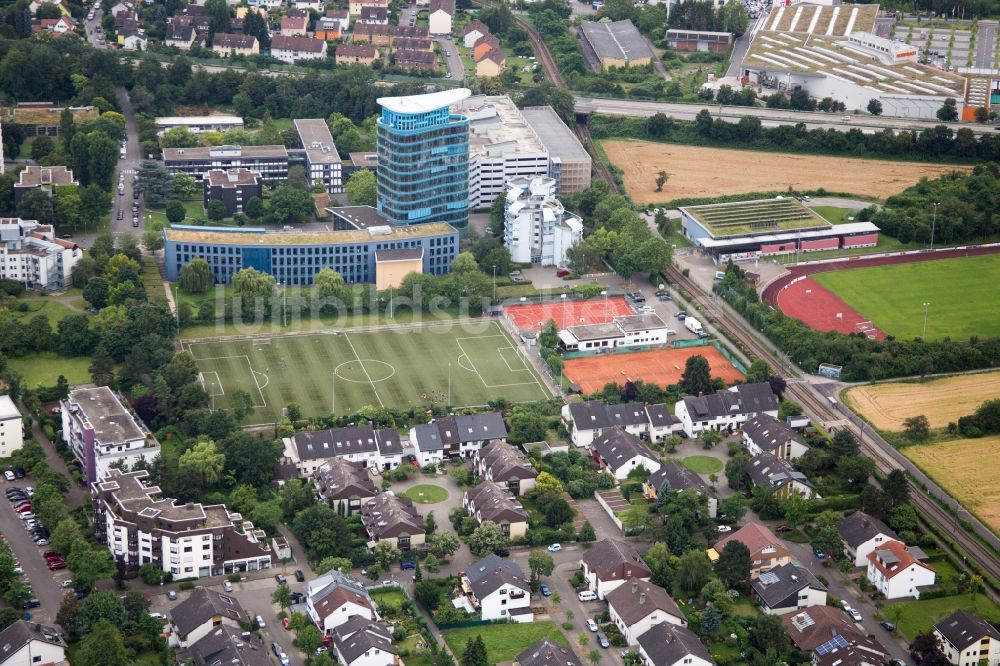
column 289, row 48
column 56, row 26
column 440, row 16
column 335, row 598
column 131, row 37
column 587, row 420
column 786, row 589
column 862, row 534
column 294, row 25
column 547, row 653
column 638, row 605
column 308, row 5
column 492, row 63
column 896, row 572
column 609, row 563
column 201, row 613
column 778, row 476
column 621, row 453
column 766, row 434
column 375, row 15
column 486, row 43
column 355, row 6
column 28, row 643
column 410, row 60
column 44, row 178
column 472, row 31
column 266, row 4
column 341, row 16
column 766, row 550
column 670, row 645
column 673, row 477
column 198, row 17
column 180, row 34
column 359, row 642
column 456, row 436
column 226, row 645
column 412, row 44
column 385, row 35
column 968, row 640
column 377, row 449
column 348, row 54
column 498, row 589
column 830, row 634
column 394, row 519
column 489, row 502
column 343, row 485
column 229, row 44
column 725, row 410
column 328, row 29
column 505, row 465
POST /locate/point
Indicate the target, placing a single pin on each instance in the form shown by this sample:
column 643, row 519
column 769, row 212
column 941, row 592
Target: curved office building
column 423, row 159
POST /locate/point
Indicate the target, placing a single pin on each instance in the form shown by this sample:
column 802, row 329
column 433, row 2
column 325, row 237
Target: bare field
column 707, row 172
column 958, row 466
column 886, row 406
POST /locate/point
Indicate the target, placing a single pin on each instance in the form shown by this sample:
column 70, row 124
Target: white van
column 587, row 595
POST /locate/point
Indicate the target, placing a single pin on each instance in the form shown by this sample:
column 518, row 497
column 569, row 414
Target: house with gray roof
column 498, row 590
column 786, row 589
column 862, row 534
column 547, row 653
column 362, row 444
column 369, row 644
column 25, row 643
column 196, row 616
column 670, row 645
column 673, row 477
column 343, row 485
column 490, row 502
column 615, row 43
column 638, row 605
column 392, row 518
column 725, row 410
column 587, row 420
column 505, row 465
column 609, row 563
column 453, row 436
column 228, row 645
column 766, row 434
column 779, row 477
column 968, row 640
column 621, row 452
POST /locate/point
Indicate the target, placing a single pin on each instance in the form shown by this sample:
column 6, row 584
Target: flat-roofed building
column 687, row 41
column 537, row 229
column 42, row 177
column 199, row 124
column 322, row 162
column 233, row 187
column 569, row 161
column 615, row 43
column 32, row 255
column 271, row 162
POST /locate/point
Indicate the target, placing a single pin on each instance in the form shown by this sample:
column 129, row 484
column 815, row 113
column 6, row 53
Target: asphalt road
column 129, row 167
column 454, row 61
column 986, row 40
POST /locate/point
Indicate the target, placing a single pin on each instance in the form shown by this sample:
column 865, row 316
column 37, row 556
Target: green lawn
column 914, row 617
column 835, row 215
column 426, row 494
column 961, row 293
column 404, row 367
column 54, row 310
column 417, row 656
column 43, row 369
column 195, row 211
column 703, row 464
column 393, row 598
column 504, row 641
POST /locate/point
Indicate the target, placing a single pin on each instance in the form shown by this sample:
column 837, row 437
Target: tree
column 736, row 475
column 289, row 205
column 387, row 554
column 96, row 292
column 175, row 211
column 696, row 379
column 251, row 285
column 768, row 635
column 917, row 428
column 487, row 538
column 361, row 188
column 203, row 461
column 758, row 372
column 540, row 563
column 185, row 186
column 88, row 563
column 330, row 285
column 216, row 210
column 102, row 368
column 308, row 639
column 796, row 510
column 734, row 565
column 179, row 137
column 545, row 482
column 443, row 544
column 430, row 524
column 103, row 645
column 427, row 594
column 874, row 107
column 95, row 204
column 693, row 571
column 557, row 512
column 282, row 596
column 475, row 653
column 661, row 180
column 254, row 208
column 328, row 564
column 844, row 444
column 948, row 112
column 896, row 488
column 926, row 650
column 587, row 533
column 37, row 204
column 709, row 438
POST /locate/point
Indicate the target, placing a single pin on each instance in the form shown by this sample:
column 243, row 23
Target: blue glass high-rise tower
column 423, row 159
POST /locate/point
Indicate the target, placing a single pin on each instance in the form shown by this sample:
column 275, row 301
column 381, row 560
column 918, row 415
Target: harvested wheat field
column 707, row 172
column 958, row 466
column 886, row 406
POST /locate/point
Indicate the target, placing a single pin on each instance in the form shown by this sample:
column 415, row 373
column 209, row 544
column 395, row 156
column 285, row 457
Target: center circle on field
column 378, row 371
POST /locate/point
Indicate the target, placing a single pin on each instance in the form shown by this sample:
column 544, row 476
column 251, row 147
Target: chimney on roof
column 642, row 598
column 635, row 586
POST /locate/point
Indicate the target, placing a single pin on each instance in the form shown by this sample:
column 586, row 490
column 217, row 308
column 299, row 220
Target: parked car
column 546, row 592
column 681, row 315
column 855, row 615
column 820, row 555
column 227, row 586
column 888, row 626
column 260, row 622
column 555, row 548
column 31, row 603
column 281, row 580
column 587, row 595
column 724, row 528
column 158, row 616
column 9, row 475
column 172, row 595
column 591, row 624
column 503, row 552
column 55, row 566
column 298, row 598
column 407, row 564
column 299, row 576
column 19, row 473
column 602, row 640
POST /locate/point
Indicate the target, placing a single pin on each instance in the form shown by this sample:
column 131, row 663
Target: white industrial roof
column 198, row 120
column 7, row 408
column 424, row 103
column 835, row 230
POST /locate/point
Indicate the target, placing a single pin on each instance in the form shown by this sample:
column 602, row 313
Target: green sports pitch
column 962, row 294
column 341, row 372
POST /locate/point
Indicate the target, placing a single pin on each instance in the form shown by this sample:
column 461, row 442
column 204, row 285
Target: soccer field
column 961, row 292
column 344, row 371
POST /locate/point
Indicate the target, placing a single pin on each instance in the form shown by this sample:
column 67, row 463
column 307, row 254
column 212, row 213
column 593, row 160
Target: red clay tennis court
column 661, row 366
column 821, row 309
column 532, row 316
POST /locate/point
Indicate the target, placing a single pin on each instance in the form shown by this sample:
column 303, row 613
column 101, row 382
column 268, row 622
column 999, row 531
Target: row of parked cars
column 20, row 500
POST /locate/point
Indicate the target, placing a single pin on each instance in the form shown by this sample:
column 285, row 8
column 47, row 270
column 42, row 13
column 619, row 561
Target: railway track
column 823, row 411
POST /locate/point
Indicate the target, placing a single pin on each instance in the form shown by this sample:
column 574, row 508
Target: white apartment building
column 187, row 540
column 102, row 432
column 322, row 162
column 32, row 255
column 537, row 229
column 11, row 427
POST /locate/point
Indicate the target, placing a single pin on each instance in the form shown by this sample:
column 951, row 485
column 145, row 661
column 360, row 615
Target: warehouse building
column 271, row 162
column 569, row 161
column 294, row 257
column 615, row 43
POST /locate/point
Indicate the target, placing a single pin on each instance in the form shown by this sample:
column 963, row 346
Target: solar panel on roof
column 834, row 643
column 768, row 578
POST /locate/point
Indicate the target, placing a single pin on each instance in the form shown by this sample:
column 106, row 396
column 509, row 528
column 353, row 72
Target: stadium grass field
column 961, row 293
column 398, row 367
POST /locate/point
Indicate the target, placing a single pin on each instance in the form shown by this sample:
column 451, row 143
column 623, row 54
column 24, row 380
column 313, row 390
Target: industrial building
column 831, row 51
column 745, row 230
column 322, row 162
column 199, row 124
column 423, row 159
column 233, row 188
column 271, row 162
column 699, row 40
column 615, row 43
column 537, row 229
column 569, row 161
column 294, row 257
